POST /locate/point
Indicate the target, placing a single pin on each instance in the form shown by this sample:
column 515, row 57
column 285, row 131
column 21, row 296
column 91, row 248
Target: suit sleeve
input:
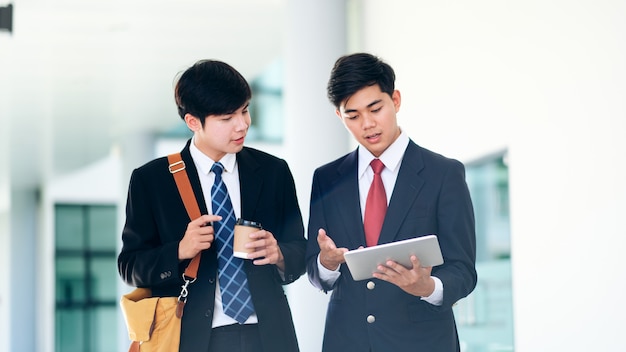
column 457, row 237
column 291, row 242
column 316, row 221
column 144, row 260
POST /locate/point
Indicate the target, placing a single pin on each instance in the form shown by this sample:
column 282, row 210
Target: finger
column 204, row 232
column 256, row 254
column 417, row 264
column 321, row 236
column 324, row 241
column 256, row 244
column 260, row 234
column 263, row 257
column 394, row 267
column 211, row 217
column 415, row 261
column 205, row 219
column 262, row 261
column 382, row 272
column 207, row 238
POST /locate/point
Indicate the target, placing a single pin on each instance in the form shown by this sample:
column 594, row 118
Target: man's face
column 221, row 134
column 370, row 115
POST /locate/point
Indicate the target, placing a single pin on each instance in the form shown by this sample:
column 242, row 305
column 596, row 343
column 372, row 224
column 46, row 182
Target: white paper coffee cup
column 243, row 229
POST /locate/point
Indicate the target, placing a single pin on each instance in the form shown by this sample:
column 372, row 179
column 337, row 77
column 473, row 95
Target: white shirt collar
column 390, row 157
column 204, row 163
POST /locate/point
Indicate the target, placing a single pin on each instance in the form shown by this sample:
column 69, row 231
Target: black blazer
column 156, row 221
column 430, row 197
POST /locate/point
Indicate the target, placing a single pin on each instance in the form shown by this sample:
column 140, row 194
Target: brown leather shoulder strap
column 178, row 170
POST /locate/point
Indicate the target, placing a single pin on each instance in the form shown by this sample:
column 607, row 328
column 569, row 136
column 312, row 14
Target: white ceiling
column 82, row 73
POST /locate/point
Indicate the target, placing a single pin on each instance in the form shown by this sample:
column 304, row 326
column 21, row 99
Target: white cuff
column 435, row 298
column 328, row 276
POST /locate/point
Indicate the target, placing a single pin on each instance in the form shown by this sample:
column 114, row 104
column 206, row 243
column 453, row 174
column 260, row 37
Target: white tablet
column 364, row 262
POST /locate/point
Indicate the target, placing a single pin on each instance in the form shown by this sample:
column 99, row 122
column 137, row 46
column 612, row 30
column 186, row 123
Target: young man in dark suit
column 159, row 239
column 419, row 192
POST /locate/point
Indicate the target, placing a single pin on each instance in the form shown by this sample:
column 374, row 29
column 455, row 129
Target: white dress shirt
column 392, row 158
column 230, row 176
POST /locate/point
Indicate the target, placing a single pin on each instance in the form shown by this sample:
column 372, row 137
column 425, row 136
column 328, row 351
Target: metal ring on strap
column 177, row 166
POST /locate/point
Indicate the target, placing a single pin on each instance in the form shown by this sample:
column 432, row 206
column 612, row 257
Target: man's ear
column 396, row 98
column 338, row 113
column 193, row 123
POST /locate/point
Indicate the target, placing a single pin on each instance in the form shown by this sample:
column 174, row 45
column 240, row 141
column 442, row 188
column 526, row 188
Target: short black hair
column 210, row 87
column 353, row 72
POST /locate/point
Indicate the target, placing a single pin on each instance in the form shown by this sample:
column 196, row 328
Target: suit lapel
column 347, row 185
column 250, row 183
column 404, row 193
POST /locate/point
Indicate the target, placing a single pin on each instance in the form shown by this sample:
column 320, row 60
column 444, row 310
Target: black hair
column 210, row 87
column 353, row 72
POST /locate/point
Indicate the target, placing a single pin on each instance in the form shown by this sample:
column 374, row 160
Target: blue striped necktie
column 236, row 298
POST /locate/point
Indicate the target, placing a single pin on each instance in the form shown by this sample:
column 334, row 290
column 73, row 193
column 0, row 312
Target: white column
column 23, row 277
column 315, row 37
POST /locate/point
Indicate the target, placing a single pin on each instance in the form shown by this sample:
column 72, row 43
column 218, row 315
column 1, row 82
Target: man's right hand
column 198, row 237
column 330, row 256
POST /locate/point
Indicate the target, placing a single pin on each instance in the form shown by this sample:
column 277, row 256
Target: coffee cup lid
column 243, row 222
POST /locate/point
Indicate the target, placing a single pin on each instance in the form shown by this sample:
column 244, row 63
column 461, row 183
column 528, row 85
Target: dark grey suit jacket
column 156, row 221
column 430, row 197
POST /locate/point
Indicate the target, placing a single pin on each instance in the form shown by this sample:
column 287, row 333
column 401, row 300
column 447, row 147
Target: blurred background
column 529, row 95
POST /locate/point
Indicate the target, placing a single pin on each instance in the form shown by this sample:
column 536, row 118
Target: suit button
column 371, row 319
column 165, row 275
column 211, row 281
column 208, row 313
column 371, row 285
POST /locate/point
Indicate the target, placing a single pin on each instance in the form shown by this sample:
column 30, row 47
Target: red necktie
column 376, row 206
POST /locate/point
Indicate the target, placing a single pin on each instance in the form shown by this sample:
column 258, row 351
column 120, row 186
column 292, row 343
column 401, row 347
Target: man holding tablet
column 389, row 189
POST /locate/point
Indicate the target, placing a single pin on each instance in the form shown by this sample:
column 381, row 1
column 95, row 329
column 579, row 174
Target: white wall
column 5, row 239
column 5, row 260
column 547, row 80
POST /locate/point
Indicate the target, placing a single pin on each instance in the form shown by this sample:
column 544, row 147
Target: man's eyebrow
column 244, row 107
column 347, row 111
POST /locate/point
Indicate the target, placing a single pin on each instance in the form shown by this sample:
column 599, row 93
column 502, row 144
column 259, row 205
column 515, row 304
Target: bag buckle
column 177, row 166
column 184, row 291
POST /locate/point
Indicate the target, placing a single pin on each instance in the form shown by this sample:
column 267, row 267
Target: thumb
column 324, row 241
column 321, row 235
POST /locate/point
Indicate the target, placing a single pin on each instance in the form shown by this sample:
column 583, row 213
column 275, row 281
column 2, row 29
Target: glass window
column 266, row 107
column 85, row 278
column 69, row 228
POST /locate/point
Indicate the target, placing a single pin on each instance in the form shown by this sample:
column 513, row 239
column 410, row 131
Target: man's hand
column 266, row 249
column 330, row 256
column 198, row 236
column 415, row 281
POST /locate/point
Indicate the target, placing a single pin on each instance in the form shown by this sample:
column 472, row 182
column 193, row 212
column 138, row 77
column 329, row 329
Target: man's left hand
column 415, row 281
column 266, row 249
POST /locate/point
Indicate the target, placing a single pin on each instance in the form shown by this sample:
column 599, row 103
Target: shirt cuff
column 327, row 276
column 435, row 298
